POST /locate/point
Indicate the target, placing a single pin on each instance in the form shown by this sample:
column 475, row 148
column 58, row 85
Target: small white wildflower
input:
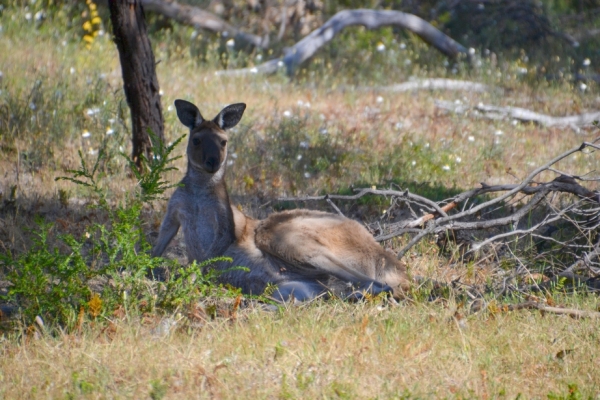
column 86, row 134
column 111, row 121
column 234, row 155
column 413, row 163
column 582, row 87
column 407, row 62
column 380, row 47
column 304, row 145
column 427, row 145
column 323, row 131
column 39, row 15
column 101, row 32
column 280, row 63
column 92, row 111
column 299, row 157
column 194, row 35
column 471, row 51
column 287, row 113
column 32, row 105
column 64, row 43
column 254, row 70
column 109, row 131
column 379, row 99
column 497, row 141
column 300, row 103
column 446, row 168
column 402, row 46
column 514, row 122
column 498, row 133
column 121, row 149
column 307, row 104
column 92, row 152
column 72, row 70
column 471, row 138
column 259, row 57
column 230, row 162
column 521, row 70
column 161, row 93
column 170, row 108
column 398, row 125
column 28, row 16
column 458, row 159
column 306, row 175
column 230, row 43
column 586, row 62
column 531, row 164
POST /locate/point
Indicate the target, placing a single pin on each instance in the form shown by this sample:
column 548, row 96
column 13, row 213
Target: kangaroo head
column 207, row 145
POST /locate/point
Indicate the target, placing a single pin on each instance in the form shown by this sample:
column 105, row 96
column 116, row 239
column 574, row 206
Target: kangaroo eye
column 223, row 143
column 196, row 141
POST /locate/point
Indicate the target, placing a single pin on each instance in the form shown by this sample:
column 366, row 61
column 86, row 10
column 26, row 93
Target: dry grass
column 323, row 350
column 332, row 350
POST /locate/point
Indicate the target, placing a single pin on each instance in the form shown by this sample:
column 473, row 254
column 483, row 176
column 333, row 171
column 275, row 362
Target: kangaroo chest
column 207, row 228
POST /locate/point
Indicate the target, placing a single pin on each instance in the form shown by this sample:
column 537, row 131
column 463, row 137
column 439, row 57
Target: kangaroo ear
column 188, row 114
column 230, row 116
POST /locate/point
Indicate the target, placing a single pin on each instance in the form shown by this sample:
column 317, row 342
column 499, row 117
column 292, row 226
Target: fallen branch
column 437, row 220
column 521, row 114
column 437, row 84
column 371, row 19
column 572, row 312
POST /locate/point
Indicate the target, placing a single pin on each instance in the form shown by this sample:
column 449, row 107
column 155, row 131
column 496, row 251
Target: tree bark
column 139, row 75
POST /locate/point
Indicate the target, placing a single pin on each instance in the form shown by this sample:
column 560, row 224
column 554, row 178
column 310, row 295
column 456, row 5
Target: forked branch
column 461, row 213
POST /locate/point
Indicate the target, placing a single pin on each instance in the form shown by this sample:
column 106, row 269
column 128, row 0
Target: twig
column 533, row 305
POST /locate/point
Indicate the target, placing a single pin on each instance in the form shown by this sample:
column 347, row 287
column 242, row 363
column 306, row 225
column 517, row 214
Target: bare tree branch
column 436, row 84
column 521, row 114
column 371, row 19
column 533, row 305
column 438, row 220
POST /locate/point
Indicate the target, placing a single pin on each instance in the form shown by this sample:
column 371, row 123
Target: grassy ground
column 317, row 133
column 333, row 350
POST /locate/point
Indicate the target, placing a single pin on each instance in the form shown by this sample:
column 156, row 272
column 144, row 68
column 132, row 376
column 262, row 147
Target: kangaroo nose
column 212, row 164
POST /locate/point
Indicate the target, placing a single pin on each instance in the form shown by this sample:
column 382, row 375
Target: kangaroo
column 304, row 253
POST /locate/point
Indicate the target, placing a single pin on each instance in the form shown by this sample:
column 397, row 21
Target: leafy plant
column 46, row 281
column 149, row 179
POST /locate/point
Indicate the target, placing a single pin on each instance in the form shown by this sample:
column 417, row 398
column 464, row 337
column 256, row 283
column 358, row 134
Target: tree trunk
column 139, row 75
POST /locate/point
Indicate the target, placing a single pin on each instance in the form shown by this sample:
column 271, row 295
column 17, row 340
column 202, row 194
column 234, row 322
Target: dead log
column 371, row 19
column 521, row 114
column 139, row 75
